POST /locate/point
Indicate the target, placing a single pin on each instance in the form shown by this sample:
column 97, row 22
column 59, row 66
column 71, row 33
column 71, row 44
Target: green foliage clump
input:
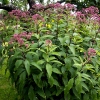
column 54, row 54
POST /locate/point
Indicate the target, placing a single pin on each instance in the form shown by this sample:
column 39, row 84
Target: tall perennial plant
column 53, row 54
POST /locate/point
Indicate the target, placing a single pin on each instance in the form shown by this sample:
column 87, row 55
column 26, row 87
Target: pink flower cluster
column 87, row 13
column 67, row 6
column 90, row 10
column 91, row 52
column 80, row 16
column 38, row 6
column 20, row 38
column 95, row 18
column 55, row 5
column 37, row 17
column 48, row 42
column 70, row 6
column 18, row 13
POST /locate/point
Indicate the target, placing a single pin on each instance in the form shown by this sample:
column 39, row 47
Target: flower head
column 20, row 38
column 38, row 6
column 80, row 16
column 95, row 18
column 37, row 17
column 20, row 41
column 48, row 42
column 57, row 5
column 90, row 10
column 18, row 14
column 26, row 45
column 91, row 52
column 69, row 6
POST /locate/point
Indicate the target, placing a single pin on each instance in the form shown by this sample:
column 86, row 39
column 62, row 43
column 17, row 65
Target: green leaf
column 76, row 93
column 55, row 70
column 62, row 41
column 28, row 56
column 67, row 97
column 81, row 59
column 36, row 65
column 16, row 31
column 86, row 76
column 22, row 77
column 51, row 81
column 55, row 82
column 51, row 58
column 53, row 48
column 94, row 94
column 43, row 51
column 89, row 67
column 41, row 93
column 79, row 88
column 77, row 65
column 18, row 63
column 72, row 48
column 68, row 86
column 31, row 93
column 40, row 62
column 32, row 53
column 59, row 92
column 56, row 61
column 55, row 53
column 68, row 62
column 86, row 97
column 85, row 86
column 36, row 35
column 34, row 46
column 62, row 53
column 46, row 57
column 46, row 37
column 78, row 85
column 47, row 93
column 67, row 39
column 63, row 69
column 49, row 69
column 37, row 80
column 19, row 71
column 27, row 66
column 21, row 81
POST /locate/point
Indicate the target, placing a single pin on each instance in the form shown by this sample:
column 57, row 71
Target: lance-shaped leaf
column 27, row 66
column 36, row 65
column 72, row 48
column 49, row 69
column 68, row 86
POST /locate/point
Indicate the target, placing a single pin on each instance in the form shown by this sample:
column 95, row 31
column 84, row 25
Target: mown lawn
column 7, row 90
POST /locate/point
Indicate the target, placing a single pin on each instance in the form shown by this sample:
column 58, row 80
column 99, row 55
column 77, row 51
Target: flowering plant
column 54, row 54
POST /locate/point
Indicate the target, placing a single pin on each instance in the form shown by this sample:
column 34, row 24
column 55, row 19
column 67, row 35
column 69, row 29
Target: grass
column 7, row 90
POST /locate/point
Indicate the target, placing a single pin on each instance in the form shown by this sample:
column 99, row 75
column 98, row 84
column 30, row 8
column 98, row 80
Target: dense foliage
column 53, row 54
column 80, row 3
